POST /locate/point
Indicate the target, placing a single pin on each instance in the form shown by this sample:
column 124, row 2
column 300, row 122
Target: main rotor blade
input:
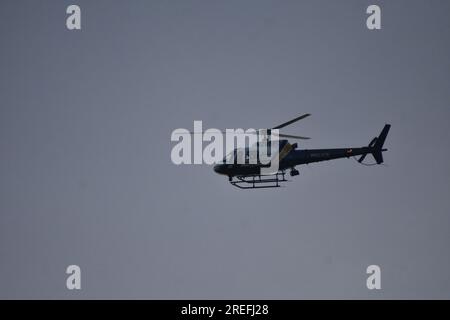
column 292, row 121
column 290, row 136
column 282, row 135
column 197, row 132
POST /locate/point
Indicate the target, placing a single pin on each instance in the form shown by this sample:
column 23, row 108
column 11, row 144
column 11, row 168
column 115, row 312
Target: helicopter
column 249, row 175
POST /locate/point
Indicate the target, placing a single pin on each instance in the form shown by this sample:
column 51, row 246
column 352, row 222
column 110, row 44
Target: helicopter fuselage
column 292, row 159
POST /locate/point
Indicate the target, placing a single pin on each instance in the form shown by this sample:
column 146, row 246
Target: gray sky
column 86, row 175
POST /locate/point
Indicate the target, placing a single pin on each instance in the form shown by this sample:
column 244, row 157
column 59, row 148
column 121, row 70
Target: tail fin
column 376, row 145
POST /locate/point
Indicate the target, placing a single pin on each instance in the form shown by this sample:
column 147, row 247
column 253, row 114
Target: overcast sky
column 85, row 170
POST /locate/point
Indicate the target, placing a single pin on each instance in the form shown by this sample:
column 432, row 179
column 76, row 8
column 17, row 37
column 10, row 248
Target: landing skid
column 258, row 181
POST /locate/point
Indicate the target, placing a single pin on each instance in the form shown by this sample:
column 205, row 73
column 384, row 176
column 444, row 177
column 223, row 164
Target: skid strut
column 258, row 181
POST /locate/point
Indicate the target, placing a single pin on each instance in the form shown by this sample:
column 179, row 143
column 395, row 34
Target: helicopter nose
column 219, row 168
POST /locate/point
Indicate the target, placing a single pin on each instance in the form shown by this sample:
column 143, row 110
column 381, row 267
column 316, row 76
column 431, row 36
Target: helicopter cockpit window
column 252, row 155
column 229, row 157
column 241, row 156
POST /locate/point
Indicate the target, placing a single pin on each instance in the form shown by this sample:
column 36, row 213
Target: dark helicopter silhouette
column 248, row 175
